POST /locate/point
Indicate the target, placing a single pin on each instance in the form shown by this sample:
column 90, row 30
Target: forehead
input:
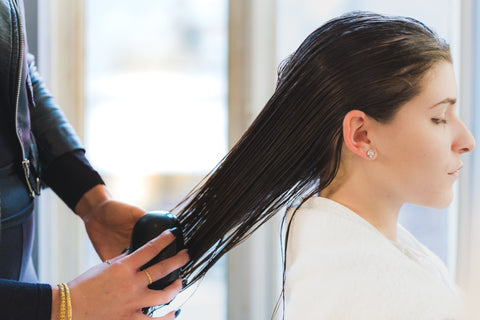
column 439, row 84
column 438, row 88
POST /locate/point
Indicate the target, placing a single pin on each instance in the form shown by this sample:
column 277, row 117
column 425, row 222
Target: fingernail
column 184, row 283
column 177, row 313
column 175, row 231
column 125, row 250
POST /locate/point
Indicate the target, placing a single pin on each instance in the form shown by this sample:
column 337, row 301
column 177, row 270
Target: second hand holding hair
column 147, row 228
column 119, row 290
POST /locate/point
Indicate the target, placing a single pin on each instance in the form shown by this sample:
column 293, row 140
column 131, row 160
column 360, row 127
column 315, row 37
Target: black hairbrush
column 150, row 226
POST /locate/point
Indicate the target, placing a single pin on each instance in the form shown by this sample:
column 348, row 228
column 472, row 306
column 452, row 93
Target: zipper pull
column 26, row 167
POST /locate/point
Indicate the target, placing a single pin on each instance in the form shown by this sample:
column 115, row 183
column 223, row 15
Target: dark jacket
column 41, row 129
column 44, row 145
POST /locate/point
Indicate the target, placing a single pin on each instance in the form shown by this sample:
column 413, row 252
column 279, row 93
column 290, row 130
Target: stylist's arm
column 118, row 290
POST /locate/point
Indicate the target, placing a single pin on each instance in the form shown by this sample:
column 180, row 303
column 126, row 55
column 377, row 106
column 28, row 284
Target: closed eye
column 439, row 121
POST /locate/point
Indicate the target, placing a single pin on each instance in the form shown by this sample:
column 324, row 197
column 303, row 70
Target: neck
column 374, row 206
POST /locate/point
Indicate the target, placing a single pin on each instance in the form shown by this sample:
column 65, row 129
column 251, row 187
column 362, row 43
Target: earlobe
column 355, row 135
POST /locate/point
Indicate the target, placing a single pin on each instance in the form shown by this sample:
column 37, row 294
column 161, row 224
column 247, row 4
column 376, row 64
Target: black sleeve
column 70, row 176
column 54, row 135
column 25, row 301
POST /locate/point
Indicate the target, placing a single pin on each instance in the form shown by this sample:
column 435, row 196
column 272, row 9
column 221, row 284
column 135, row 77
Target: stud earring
column 370, row 154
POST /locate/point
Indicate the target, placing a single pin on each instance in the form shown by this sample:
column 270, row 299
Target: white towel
column 341, row 267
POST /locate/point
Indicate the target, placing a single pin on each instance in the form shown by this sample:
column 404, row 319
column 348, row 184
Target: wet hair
column 292, row 150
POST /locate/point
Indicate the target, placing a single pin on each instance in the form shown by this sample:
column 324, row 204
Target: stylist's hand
column 109, row 223
column 119, row 290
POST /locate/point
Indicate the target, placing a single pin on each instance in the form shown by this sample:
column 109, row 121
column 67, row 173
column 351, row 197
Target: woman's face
column 418, row 152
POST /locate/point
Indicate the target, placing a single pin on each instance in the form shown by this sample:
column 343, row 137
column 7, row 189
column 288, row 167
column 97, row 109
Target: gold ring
column 108, row 262
column 148, row 276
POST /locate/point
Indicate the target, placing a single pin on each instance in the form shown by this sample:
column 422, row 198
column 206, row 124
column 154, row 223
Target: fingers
column 165, row 267
column 115, row 259
column 159, row 297
column 169, row 316
column 140, row 257
column 119, row 257
column 149, row 250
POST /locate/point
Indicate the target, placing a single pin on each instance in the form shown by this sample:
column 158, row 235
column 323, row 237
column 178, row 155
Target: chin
column 441, row 206
column 443, row 202
column 440, row 201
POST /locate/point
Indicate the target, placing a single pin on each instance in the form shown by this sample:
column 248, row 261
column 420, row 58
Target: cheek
column 414, row 162
column 414, row 144
column 422, row 157
column 403, row 149
column 426, row 177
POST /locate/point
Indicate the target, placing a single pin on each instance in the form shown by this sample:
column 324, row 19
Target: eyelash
column 439, row 121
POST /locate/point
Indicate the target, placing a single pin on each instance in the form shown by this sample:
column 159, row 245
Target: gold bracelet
column 69, row 302
column 65, row 302
column 62, row 301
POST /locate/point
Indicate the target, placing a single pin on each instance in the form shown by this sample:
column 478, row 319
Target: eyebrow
column 450, row 101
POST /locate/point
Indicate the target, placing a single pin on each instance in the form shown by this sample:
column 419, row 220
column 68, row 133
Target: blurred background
column 161, row 89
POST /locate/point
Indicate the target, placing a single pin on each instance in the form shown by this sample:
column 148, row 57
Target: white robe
column 341, row 267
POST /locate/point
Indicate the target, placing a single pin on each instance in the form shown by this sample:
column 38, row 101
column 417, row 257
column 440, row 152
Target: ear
column 355, row 134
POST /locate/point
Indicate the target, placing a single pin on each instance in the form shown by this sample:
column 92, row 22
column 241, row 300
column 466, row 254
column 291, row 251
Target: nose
column 465, row 142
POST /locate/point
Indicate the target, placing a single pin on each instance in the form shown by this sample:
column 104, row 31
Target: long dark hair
column 360, row 60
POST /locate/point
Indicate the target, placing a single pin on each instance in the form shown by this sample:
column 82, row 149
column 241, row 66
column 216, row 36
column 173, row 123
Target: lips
column 456, row 172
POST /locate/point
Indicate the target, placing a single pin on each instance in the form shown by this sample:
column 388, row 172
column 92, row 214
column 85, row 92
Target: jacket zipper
column 25, row 161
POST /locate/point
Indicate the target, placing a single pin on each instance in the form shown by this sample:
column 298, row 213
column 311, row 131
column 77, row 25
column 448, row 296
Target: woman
column 362, row 120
